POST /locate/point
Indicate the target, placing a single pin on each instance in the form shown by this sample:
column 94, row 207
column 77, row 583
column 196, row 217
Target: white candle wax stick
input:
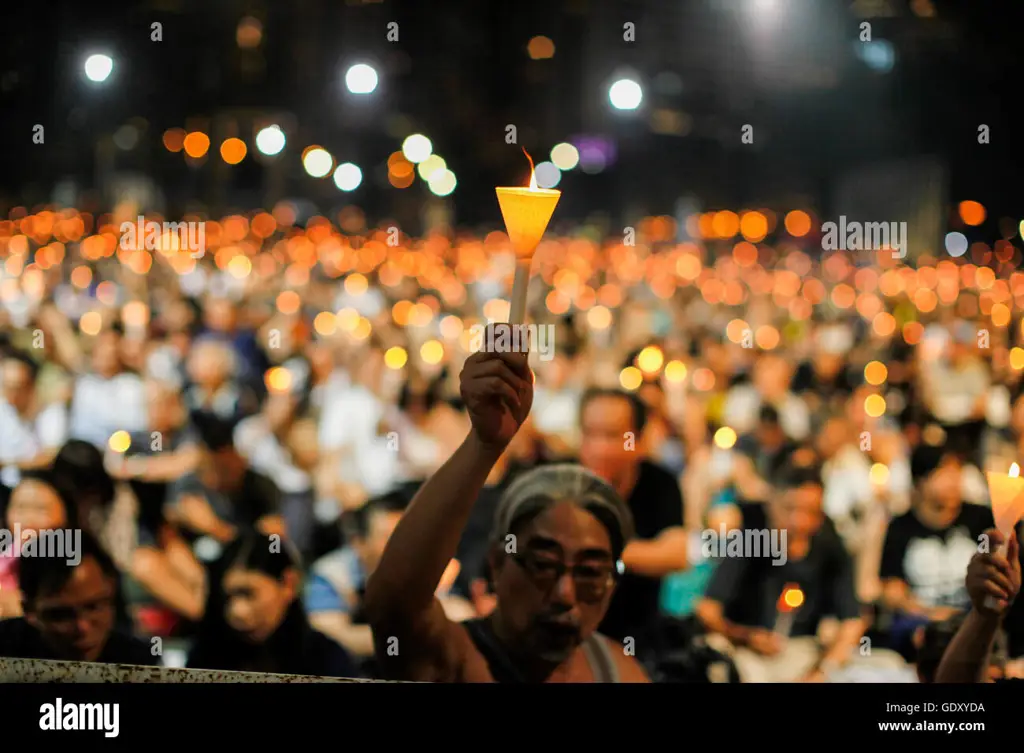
column 784, row 624
column 517, row 308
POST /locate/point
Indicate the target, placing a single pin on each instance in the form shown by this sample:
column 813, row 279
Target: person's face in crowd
column 35, row 506
column 279, row 409
column 798, row 511
column 653, row 397
column 166, row 412
column 257, row 603
column 76, row 621
column 321, row 362
column 380, row 525
column 303, row 444
column 546, row 610
column 209, row 365
column 219, row 315
column 941, row 502
column 770, row 434
column 827, row 365
column 133, row 352
column 106, row 354
column 16, row 383
column 771, row 377
column 833, row 436
column 223, row 469
column 603, row 447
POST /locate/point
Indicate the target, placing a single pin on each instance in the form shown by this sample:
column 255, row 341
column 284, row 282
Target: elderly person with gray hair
column 555, row 557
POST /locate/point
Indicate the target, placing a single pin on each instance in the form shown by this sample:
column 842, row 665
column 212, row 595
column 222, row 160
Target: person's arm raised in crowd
column 989, row 576
column 400, row 601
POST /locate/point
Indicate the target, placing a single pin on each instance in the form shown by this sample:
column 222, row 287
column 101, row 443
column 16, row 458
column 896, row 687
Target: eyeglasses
column 591, row 580
column 58, row 616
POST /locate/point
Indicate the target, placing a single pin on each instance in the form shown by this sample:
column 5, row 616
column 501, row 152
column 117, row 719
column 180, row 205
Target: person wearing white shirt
column 30, row 434
column 109, row 399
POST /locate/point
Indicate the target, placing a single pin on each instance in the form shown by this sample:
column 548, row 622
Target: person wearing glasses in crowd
column 71, row 611
column 557, row 540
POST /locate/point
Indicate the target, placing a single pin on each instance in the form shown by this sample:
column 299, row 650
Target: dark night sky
column 460, row 73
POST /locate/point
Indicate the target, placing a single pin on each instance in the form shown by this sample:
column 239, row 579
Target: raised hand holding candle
column 1007, row 495
column 527, row 212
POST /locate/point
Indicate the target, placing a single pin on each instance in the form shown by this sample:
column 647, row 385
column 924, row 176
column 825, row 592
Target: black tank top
column 502, row 668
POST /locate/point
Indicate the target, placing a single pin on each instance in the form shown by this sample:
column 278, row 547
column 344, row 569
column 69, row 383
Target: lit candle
column 526, row 212
column 1007, row 496
column 789, row 602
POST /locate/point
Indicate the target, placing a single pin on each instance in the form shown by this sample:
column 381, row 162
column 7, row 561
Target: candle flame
column 1014, row 471
column 533, row 173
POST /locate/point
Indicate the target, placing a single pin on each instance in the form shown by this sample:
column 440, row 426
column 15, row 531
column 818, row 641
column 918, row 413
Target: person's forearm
column 428, row 534
column 837, row 654
column 716, row 623
column 659, row 557
column 40, row 460
column 169, row 468
column 968, row 655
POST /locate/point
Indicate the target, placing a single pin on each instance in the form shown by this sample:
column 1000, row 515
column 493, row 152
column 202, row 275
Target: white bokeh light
column 348, row 177
column 270, row 140
column 318, row 162
column 442, row 182
column 361, row 79
column 548, row 175
column 565, row 156
column 625, row 94
column 417, row 148
column 98, row 67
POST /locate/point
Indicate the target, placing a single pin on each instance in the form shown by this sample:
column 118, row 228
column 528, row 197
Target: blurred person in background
column 612, row 424
column 955, row 385
column 108, row 398
column 37, row 503
column 215, row 389
column 741, row 604
column 254, row 621
column 337, row 583
column 927, row 550
column 71, row 611
column 31, row 433
column 357, row 460
column 262, row 441
column 763, row 457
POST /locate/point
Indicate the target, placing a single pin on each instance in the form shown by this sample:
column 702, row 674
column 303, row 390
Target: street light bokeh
column 98, row 68
column 270, row 140
column 361, row 79
column 625, row 94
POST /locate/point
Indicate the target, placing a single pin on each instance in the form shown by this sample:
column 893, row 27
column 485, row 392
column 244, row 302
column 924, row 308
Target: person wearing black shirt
column 612, row 424
column 926, row 553
column 71, row 611
column 254, row 620
column 742, row 602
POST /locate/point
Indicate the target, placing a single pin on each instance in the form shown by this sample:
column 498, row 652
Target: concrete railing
column 40, row 671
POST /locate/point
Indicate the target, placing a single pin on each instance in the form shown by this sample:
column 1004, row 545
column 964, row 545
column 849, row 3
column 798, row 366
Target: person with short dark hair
column 796, row 552
column 31, row 433
column 254, row 621
column 612, row 424
column 71, row 611
column 337, row 584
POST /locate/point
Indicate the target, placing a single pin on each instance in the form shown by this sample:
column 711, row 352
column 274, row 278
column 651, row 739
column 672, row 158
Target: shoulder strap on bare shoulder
column 602, row 662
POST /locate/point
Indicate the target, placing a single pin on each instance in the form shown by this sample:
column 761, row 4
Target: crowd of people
column 286, row 454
